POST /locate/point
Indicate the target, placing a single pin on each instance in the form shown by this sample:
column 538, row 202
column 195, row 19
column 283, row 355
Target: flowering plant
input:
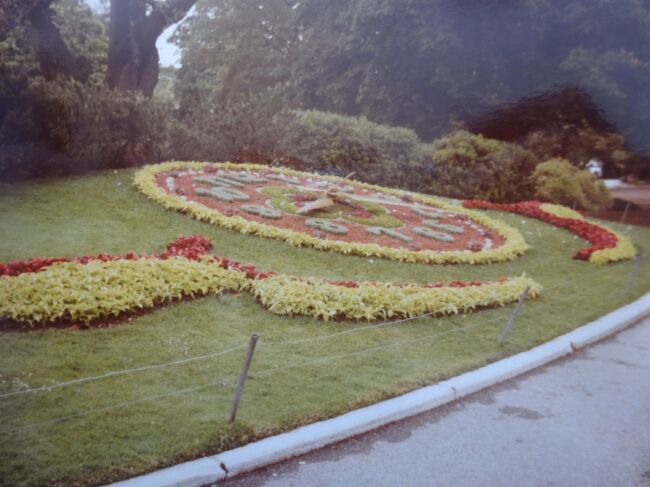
column 606, row 245
column 513, row 246
column 95, row 287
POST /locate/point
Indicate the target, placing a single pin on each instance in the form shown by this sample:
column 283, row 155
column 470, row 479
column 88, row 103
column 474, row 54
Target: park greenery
column 379, row 87
column 304, row 369
column 495, row 102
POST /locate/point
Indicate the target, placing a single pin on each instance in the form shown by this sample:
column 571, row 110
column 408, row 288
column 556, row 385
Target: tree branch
column 164, row 14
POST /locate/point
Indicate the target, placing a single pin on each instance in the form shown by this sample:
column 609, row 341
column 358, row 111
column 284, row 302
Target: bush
column 558, row 181
column 85, row 127
column 99, row 127
column 474, row 167
column 339, row 144
column 231, row 128
column 579, row 144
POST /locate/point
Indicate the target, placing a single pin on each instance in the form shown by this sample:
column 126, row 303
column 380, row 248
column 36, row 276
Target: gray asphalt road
column 582, row 421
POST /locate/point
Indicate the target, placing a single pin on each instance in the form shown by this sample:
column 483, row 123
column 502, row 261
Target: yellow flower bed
column 286, row 295
column 623, row 250
column 561, row 211
column 606, row 245
column 513, row 246
column 81, row 292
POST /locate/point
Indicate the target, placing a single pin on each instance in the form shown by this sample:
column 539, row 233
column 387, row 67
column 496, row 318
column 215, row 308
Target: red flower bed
column 191, row 247
column 352, row 284
column 599, row 237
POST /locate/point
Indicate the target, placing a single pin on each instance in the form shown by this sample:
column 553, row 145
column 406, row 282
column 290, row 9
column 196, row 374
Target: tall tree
column 135, row 25
column 36, row 17
column 426, row 64
column 234, row 47
column 51, row 50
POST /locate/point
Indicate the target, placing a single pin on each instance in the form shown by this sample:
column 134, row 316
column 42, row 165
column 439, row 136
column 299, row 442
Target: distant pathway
column 582, row 421
column 638, row 195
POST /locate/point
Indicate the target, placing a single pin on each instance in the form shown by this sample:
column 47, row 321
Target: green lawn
column 303, row 369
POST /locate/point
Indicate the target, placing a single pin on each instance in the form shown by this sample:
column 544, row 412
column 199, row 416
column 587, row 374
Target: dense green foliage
column 558, row 181
column 80, row 127
column 424, row 65
column 66, row 123
column 472, row 166
column 565, row 123
column 340, row 145
column 32, row 140
column 242, row 126
column 431, row 67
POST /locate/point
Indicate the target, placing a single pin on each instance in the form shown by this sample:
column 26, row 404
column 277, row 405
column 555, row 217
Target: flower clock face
column 349, row 213
column 330, row 213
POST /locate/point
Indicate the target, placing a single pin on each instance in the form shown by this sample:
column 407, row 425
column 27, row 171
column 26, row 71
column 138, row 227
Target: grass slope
column 318, row 375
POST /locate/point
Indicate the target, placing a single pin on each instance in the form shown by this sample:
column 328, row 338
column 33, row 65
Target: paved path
column 582, row 421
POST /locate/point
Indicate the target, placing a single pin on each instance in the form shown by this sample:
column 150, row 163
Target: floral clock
column 330, row 213
column 323, row 212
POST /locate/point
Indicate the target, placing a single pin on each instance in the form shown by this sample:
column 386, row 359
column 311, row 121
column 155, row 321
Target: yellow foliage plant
column 81, row 292
column 286, row 295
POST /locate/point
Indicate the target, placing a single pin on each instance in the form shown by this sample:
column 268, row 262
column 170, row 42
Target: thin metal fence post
column 243, row 376
column 627, row 207
column 515, row 312
column 634, row 273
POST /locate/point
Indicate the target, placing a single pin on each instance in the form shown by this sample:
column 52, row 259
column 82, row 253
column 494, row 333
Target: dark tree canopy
column 13, row 13
column 78, row 88
column 428, row 65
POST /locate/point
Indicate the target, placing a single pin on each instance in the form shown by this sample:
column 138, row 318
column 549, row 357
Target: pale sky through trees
column 168, row 52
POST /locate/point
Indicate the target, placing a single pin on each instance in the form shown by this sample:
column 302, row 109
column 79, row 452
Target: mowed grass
column 108, row 429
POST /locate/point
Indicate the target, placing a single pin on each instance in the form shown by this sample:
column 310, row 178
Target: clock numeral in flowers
column 224, row 194
column 282, row 178
column 326, row 226
column 217, row 181
column 447, row 227
column 426, row 212
column 428, row 233
column 263, row 211
column 243, row 178
column 390, row 232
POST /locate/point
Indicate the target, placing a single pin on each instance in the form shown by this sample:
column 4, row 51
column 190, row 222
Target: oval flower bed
column 42, row 291
column 362, row 219
column 606, row 245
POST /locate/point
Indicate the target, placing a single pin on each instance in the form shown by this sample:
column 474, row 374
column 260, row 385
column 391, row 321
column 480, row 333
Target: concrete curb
column 286, row 445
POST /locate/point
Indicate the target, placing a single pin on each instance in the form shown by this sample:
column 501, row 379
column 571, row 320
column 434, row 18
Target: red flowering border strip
column 39, row 291
column 606, row 245
column 192, row 247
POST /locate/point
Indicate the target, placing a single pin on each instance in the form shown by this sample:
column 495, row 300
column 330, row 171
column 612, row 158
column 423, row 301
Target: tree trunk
column 51, row 50
column 134, row 28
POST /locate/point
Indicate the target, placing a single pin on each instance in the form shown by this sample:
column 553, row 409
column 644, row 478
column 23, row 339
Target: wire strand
column 113, row 406
column 120, row 372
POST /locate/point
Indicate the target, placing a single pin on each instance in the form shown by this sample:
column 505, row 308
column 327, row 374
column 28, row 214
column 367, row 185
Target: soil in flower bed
column 474, row 237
